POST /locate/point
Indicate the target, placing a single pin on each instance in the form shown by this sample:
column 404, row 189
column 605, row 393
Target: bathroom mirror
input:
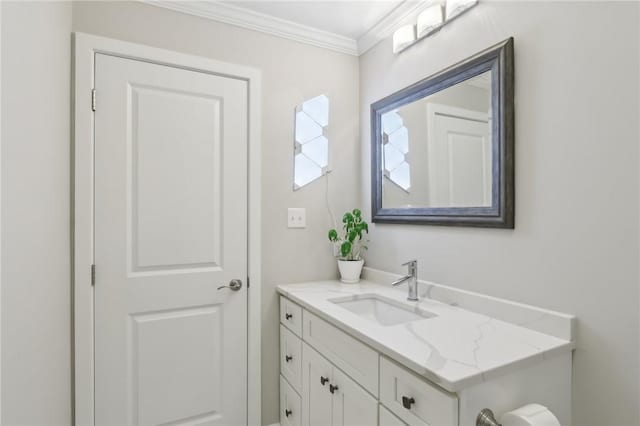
column 442, row 148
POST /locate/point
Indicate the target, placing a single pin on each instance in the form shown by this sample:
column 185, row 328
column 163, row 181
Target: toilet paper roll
column 530, row 415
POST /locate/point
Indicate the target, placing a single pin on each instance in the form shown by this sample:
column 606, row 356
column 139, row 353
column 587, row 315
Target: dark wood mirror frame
column 499, row 60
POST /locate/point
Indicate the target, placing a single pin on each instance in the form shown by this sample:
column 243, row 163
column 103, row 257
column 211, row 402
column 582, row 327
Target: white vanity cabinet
column 340, row 381
column 362, row 355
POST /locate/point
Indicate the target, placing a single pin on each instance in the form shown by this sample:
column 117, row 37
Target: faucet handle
column 413, row 266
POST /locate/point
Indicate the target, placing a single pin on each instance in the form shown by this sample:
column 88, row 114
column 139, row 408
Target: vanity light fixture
column 430, row 20
column 457, row 7
column 403, row 37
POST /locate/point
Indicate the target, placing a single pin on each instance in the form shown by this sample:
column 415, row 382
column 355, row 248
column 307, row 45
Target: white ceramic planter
column 350, row 270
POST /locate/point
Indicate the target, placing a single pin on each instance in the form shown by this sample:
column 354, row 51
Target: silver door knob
column 234, row 285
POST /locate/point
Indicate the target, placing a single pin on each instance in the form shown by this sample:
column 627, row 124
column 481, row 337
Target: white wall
column 36, row 356
column 575, row 244
column 292, row 72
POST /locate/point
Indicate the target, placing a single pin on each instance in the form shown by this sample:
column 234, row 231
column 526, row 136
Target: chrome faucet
column 412, row 280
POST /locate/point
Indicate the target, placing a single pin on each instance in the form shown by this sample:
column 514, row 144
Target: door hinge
column 93, row 99
column 248, row 283
column 93, row 275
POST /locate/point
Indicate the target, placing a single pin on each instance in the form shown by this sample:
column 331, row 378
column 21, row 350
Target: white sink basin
column 383, row 311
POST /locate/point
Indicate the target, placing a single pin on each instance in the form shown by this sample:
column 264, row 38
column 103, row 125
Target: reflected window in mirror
column 311, row 145
column 395, row 138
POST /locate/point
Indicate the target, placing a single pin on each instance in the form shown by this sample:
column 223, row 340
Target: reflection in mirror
column 437, row 150
column 395, row 138
column 311, row 146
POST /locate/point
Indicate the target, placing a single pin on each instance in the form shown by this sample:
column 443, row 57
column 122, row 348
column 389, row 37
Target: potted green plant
column 351, row 245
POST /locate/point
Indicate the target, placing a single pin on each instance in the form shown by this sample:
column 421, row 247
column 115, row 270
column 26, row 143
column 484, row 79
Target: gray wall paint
column 292, row 73
column 36, row 297
column 575, row 244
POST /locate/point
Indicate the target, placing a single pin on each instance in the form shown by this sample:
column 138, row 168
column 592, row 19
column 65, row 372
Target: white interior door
column 170, row 228
column 460, row 159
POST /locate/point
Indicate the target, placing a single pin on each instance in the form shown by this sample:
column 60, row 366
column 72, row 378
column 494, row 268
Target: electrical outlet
column 296, row 217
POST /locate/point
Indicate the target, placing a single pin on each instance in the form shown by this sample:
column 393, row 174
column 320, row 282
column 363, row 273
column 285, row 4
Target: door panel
column 460, row 172
column 468, row 154
column 190, row 371
column 170, row 228
column 176, row 213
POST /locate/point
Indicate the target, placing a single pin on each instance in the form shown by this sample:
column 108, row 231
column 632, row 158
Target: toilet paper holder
column 486, row 418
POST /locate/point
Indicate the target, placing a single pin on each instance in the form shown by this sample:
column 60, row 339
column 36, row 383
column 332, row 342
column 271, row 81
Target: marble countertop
column 455, row 349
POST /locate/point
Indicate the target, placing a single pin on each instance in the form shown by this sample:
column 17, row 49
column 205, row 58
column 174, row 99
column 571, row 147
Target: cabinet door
column 352, row 405
column 316, row 398
column 388, row 419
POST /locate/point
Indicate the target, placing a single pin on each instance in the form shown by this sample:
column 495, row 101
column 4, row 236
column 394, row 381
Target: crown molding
column 405, row 12
column 245, row 18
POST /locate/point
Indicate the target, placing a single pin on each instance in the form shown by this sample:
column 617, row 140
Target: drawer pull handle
column 323, row 380
column 288, row 316
column 287, row 413
column 408, row 402
column 288, row 358
column 332, row 388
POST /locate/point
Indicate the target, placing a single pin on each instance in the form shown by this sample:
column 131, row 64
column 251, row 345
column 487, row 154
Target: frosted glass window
column 318, row 109
column 306, row 171
column 317, row 150
column 306, row 128
column 401, row 176
column 400, row 139
column 391, row 121
column 311, row 146
column 392, row 157
column 395, row 137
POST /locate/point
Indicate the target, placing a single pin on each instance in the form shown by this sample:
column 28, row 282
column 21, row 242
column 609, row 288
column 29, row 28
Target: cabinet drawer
column 353, row 357
column 291, row 358
column 291, row 316
column 388, row 419
column 425, row 404
column 290, row 405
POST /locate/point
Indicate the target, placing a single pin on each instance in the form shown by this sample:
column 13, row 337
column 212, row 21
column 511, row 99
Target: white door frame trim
column 85, row 48
column 0, row 212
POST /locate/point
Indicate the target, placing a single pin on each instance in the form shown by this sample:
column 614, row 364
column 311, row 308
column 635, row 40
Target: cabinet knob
column 323, row 380
column 288, row 316
column 332, row 388
column 407, row 402
column 288, row 358
column 287, row 413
